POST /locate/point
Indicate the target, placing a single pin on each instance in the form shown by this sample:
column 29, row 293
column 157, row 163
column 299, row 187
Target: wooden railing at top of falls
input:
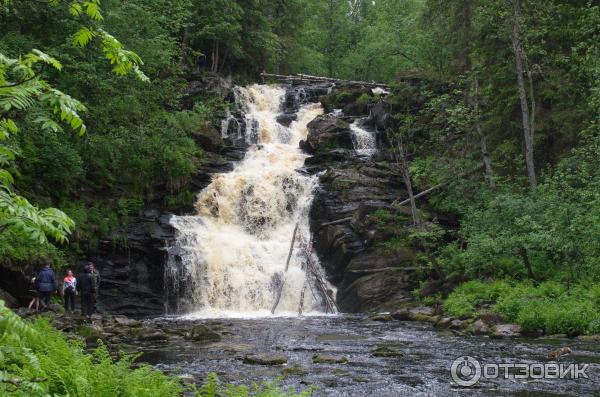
column 306, row 78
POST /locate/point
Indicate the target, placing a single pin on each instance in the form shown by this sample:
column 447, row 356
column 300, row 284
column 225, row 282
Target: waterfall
column 365, row 142
column 229, row 258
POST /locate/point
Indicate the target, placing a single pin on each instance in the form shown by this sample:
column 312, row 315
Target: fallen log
column 337, row 222
column 309, row 78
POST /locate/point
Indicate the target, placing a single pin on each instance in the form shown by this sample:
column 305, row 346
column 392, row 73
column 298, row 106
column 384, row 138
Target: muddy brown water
column 423, row 370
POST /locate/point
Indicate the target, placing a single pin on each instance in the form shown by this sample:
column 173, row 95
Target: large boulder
column 506, row 331
column 328, row 132
column 9, row 300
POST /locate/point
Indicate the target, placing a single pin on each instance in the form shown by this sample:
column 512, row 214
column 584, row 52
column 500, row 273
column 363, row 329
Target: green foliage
column 462, row 302
column 550, row 306
column 37, row 360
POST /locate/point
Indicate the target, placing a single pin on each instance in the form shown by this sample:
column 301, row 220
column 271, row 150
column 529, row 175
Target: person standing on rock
column 86, row 286
column 45, row 284
column 96, row 274
column 69, row 291
column 35, row 299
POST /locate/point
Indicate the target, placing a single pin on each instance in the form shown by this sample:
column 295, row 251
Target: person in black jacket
column 86, row 285
column 45, row 284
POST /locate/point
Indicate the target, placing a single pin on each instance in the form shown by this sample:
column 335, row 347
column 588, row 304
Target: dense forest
column 494, row 104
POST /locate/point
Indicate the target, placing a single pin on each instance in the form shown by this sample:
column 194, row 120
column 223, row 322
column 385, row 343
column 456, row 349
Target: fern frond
column 83, row 37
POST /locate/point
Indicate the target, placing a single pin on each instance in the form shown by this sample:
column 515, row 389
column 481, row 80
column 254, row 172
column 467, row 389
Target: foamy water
column 233, row 252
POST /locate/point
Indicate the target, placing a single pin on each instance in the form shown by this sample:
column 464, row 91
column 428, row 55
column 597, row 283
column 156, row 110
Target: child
column 69, row 291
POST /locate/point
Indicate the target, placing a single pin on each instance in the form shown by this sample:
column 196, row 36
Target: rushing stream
column 422, row 370
column 234, row 263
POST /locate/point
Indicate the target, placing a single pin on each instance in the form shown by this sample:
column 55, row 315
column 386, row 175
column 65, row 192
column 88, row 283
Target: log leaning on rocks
column 306, row 78
column 287, row 265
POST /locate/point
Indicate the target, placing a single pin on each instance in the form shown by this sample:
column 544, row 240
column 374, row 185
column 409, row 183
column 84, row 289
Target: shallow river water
column 423, row 370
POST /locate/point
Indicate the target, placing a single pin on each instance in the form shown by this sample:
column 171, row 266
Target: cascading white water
column 232, row 254
column 365, row 143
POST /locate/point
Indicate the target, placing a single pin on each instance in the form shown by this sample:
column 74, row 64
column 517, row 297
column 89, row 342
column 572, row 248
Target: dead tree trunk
column 527, row 130
column 403, row 164
column 487, row 163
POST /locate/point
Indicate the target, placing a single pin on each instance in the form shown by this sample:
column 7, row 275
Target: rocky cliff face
column 349, row 236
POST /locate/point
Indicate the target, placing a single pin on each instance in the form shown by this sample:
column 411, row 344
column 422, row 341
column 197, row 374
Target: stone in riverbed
column 589, row 338
column 294, row 370
column 126, row 321
column 329, row 359
column 480, row 328
column 506, row 331
column 457, row 324
column 202, row 333
column 386, row 351
column 154, row 336
column 265, row 359
column 382, row 317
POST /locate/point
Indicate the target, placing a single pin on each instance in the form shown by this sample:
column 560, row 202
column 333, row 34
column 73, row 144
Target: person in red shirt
column 69, row 291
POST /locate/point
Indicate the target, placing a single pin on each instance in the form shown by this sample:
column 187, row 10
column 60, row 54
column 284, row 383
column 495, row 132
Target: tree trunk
column 525, row 256
column 406, row 177
column 215, row 67
column 487, row 163
column 527, row 131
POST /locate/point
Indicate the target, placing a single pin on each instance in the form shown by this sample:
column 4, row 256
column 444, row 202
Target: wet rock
column 380, row 115
column 386, row 351
column 155, row 335
column 209, row 84
column 424, row 314
column 91, row 333
column 589, row 338
column 286, row 119
column 506, row 331
column 203, row 333
column 402, row 314
column 382, row 317
column 328, row 132
column 458, row 324
column 127, row 322
column 387, row 287
column 329, row 359
column 444, row 322
column 294, row 370
column 480, row 328
column 265, row 359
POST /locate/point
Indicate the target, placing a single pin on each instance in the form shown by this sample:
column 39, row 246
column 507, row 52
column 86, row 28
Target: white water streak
column 365, row 143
